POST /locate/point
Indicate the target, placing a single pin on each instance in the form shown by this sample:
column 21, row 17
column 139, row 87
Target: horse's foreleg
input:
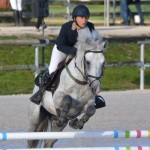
column 79, row 123
column 64, row 109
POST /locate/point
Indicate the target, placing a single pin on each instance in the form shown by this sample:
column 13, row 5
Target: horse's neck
column 76, row 68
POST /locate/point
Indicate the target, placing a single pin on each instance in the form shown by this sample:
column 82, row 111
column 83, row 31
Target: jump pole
column 91, row 148
column 74, row 135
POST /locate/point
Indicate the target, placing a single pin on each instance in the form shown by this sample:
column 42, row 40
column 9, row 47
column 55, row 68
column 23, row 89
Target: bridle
column 84, row 73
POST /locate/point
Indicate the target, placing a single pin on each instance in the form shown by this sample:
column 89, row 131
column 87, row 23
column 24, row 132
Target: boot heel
column 36, row 98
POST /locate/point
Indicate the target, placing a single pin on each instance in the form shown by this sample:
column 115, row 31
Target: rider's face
column 81, row 21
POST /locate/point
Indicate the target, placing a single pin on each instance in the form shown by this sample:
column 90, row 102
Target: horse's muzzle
column 95, row 87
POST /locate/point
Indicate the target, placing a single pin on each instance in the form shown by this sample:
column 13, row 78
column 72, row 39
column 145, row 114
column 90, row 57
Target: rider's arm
column 66, row 40
column 68, row 37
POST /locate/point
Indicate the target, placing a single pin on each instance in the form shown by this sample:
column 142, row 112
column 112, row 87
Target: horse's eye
column 88, row 64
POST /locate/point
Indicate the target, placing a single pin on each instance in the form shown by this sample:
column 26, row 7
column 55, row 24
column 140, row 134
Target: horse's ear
column 104, row 44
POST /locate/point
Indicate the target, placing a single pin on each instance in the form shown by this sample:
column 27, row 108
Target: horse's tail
column 43, row 126
column 44, row 120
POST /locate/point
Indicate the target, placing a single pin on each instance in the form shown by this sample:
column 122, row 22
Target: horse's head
column 91, row 50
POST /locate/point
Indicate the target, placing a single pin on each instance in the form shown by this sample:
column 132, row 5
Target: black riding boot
column 16, row 17
column 20, row 18
column 99, row 102
column 46, row 79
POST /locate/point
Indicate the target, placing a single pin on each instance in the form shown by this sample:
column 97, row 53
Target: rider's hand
column 72, row 51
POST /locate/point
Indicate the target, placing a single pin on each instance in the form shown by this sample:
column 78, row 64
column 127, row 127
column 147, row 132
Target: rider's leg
column 99, row 101
column 56, row 57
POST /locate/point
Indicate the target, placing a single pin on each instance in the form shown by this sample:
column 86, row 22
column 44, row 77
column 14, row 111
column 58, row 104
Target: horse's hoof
column 80, row 127
column 61, row 121
column 74, row 123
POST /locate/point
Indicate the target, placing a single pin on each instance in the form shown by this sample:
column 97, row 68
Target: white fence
column 91, row 148
column 75, row 135
column 78, row 135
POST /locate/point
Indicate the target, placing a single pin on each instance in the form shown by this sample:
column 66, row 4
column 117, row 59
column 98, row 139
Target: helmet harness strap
column 77, row 22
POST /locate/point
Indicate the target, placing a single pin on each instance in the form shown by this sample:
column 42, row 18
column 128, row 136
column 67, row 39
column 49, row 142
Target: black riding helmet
column 80, row 10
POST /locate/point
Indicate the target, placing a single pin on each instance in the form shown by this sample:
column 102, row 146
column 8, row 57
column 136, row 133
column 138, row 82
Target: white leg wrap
column 56, row 57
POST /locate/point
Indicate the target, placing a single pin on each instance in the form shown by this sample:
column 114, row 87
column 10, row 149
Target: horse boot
column 99, row 102
column 46, row 79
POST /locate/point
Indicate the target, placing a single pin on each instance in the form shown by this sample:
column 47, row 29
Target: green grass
column 114, row 78
column 16, row 82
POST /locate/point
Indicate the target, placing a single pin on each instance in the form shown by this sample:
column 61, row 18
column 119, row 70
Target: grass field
column 114, row 78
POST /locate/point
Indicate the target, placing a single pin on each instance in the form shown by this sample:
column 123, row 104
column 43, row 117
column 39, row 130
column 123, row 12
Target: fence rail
column 92, row 148
column 37, row 67
column 75, row 135
column 80, row 135
column 111, row 64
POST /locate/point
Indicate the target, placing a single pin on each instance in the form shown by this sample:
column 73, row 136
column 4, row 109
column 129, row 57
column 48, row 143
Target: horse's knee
column 67, row 101
column 63, row 111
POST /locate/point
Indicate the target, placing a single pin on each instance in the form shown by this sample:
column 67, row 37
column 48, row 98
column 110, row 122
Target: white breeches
column 16, row 4
column 56, row 57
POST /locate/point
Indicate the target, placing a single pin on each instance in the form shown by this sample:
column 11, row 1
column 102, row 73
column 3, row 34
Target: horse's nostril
column 93, row 90
column 95, row 87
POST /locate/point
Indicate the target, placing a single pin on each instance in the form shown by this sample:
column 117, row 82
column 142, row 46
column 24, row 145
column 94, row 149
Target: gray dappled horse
column 79, row 82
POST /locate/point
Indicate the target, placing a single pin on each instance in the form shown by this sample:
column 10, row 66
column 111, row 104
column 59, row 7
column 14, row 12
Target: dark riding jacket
column 68, row 37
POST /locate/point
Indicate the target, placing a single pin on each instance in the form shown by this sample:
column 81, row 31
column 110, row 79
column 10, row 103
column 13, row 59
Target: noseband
column 84, row 74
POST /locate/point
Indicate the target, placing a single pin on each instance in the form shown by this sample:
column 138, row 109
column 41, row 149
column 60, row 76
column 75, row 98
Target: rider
column 64, row 46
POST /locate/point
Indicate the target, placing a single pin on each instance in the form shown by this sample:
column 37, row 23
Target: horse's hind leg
column 64, row 109
column 54, row 128
column 37, row 117
column 60, row 122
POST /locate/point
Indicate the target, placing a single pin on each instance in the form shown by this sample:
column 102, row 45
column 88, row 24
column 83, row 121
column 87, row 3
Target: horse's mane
column 85, row 34
column 88, row 39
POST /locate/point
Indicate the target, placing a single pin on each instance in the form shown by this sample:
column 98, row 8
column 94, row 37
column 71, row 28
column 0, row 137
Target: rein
column 76, row 80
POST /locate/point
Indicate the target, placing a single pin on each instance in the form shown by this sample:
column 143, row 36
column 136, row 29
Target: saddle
column 54, row 82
